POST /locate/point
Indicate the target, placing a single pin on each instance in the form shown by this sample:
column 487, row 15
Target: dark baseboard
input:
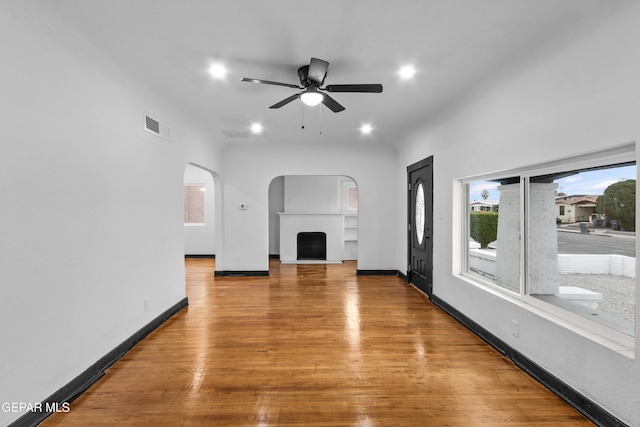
column 277, row 256
column 376, row 272
column 69, row 392
column 586, row 407
column 201, row 256
column 240, row 273
column 402, row 276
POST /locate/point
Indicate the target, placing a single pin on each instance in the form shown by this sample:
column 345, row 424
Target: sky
column 589, row 182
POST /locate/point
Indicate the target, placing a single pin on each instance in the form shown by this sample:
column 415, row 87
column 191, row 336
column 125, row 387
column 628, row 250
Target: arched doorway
column 316, row 205
column 199, row 212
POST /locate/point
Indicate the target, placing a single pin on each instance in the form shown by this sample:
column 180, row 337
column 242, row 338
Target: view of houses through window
column 578, row 228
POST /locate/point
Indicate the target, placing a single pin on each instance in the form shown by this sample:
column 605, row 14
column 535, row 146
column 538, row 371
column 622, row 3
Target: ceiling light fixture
column 311, row 96
column 256, row 128
column 365, row 129
column 218, row 71
column 407, row 72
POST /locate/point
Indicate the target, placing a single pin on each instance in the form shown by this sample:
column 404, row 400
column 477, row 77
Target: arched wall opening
column 300, row 204
column 201, row 211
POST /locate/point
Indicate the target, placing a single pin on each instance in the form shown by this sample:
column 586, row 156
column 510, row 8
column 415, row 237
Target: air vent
column 243, row 134
column 152, row 125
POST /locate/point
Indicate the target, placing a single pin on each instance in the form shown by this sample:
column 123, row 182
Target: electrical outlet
column 147, row 302
column 515, row 328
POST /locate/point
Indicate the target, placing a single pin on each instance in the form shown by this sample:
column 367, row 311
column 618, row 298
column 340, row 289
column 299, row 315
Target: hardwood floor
column 313, row 345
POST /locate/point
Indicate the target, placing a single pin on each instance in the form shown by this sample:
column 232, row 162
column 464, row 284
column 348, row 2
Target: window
column 563, row 240
column 484, row 229
column 194, row 203
column 349, row 196
column 585, row 264
column 420, row 214
column 352, row 205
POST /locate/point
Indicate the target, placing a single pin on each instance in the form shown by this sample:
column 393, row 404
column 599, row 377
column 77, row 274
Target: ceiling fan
column 311, row 79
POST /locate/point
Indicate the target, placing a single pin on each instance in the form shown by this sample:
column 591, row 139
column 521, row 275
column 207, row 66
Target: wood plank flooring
column 313, row 345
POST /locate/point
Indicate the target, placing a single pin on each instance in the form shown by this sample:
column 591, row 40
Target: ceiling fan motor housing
column 303, row 75
column 303, row 72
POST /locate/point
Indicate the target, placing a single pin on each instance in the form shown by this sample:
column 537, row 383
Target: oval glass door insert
column 420, row 217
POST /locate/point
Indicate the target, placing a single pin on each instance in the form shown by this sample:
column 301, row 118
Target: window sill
column 613, row 340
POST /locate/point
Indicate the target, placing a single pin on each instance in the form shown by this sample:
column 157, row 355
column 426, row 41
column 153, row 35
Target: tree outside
column 483, row 227
column 618, row 203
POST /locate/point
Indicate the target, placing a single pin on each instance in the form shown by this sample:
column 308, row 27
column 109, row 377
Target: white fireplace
column 291, row 224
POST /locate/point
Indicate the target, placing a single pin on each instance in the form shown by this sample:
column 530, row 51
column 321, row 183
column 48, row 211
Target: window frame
column 595, row 331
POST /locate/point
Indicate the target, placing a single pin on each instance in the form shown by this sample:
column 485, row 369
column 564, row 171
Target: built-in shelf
column 351, row 236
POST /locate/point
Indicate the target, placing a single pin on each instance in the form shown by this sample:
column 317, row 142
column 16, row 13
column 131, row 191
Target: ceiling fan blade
column 366, row 88
column 286, row 101
column 268, row 82
column 332, row 104
column 317, row 71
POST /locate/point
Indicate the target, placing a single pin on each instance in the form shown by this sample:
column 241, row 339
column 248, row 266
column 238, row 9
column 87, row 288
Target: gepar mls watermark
column 24, row 407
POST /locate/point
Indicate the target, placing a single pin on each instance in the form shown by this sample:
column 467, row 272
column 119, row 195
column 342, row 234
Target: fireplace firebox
column 312, row 245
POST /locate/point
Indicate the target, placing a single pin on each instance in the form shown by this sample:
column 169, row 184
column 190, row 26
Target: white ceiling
column 458, row 47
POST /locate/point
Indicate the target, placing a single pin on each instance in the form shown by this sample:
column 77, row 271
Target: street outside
column 618, row 292
column 597, row 241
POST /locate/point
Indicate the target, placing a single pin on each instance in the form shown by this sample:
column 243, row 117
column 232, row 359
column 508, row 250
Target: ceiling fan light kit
column 311, row 79
column 311, row 97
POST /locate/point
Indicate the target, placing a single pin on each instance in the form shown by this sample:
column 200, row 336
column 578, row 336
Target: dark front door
column 420, row 225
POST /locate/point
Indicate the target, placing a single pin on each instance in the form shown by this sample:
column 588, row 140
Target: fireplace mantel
column 292, row 223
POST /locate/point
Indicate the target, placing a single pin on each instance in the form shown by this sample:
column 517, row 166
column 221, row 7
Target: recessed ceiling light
column 366, row 129
column 218, row 71
column 256, row 128
column 407, row 72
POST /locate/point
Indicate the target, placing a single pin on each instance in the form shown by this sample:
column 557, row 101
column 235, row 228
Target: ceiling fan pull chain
column 302, row 114
column 320, row 113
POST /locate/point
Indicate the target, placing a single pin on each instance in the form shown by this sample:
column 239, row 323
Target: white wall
column 246, row 242
column 583, row 97
column 91, row 214
column 199, row 239
column 317, row 194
